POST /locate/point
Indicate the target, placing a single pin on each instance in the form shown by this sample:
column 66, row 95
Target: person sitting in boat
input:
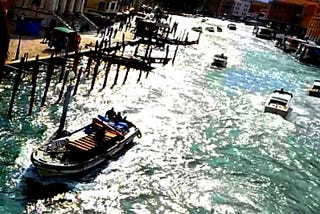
column 223, row 56
column 118, row 117
column 100, row 134
column 111, row 114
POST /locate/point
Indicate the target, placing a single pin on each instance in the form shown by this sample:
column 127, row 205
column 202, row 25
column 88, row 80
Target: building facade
column 105, row 6
column 212, row 7
column 291, row 16
column 241, row 8
column 258, row 9
column 48, row 9
column 313, row 32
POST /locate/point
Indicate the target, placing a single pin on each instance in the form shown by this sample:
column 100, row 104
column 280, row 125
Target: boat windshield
column 278, row 101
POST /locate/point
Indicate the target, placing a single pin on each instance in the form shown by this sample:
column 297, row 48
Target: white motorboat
column 279, row 102
column 220, row 61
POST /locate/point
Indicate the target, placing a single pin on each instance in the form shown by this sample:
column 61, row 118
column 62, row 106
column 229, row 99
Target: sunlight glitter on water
column 206, row 144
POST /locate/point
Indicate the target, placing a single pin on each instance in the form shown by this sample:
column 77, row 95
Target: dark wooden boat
column 85, row 148
column 314, row 90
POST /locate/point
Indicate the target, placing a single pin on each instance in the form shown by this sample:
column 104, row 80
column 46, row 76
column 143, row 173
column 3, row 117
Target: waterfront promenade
column 33, row 45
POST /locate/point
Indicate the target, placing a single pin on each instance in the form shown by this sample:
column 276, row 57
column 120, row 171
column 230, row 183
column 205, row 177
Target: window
column 101, row 5
column 36, row 2
column 113, row 5
column 107, row 6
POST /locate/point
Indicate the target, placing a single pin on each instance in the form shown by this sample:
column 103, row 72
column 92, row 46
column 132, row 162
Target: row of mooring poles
column 64, row 71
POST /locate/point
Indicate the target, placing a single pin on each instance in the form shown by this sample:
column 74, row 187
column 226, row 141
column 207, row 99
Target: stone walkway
column 34, row 46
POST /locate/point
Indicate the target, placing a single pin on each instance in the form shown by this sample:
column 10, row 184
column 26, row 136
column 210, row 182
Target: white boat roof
column 316, row 82
column 276, row 95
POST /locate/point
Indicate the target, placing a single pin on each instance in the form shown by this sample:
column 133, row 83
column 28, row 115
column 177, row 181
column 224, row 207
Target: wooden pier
column 68, row 68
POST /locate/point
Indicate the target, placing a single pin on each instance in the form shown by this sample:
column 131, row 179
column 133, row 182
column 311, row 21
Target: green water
column 207, row 146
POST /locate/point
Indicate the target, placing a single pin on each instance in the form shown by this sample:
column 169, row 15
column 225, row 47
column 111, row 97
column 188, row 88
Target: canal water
column 206, row 146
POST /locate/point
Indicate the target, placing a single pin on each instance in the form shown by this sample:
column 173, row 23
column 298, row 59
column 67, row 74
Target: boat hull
column 49, row 169
column 314, row 93
column 282, row 113
column 219, row 63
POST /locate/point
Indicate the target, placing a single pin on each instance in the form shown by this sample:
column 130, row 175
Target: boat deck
column 88, row 142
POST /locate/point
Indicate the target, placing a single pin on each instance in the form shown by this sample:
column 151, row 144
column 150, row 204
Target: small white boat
column 279, row 102
column 220, row 61
column 210, row 29
column 197, row 29
column 232, row 26
column 314, row 90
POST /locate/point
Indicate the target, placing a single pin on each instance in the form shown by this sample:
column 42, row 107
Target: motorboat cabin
column 264, row 32
column 314, row 90
column 279, row 102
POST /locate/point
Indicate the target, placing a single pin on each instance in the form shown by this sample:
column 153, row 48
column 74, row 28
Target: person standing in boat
column 111, row 114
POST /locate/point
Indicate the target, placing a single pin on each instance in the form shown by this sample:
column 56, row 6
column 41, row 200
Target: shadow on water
column 35, row 187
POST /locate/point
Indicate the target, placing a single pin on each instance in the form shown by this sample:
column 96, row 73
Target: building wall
column 212, row 6
column 257, row 8
column 226, row 8
column 284, row 12
column 107, row 6
column 313, row 32
column 241, row 8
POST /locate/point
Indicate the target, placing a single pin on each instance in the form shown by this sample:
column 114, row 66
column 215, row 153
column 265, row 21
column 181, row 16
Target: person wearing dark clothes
column 118, row 117
column 111, row 114
column 100, row 134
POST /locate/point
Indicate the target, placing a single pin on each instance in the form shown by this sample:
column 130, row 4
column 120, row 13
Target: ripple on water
column 207, row 146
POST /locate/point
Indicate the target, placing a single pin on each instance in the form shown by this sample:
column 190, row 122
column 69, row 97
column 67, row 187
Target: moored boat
column 85, row 148
column 232, row 26
column 210, row 29
column 314, row 90
column 279, row 102
column 263, row 32
column 219, row 60
column 197, row 29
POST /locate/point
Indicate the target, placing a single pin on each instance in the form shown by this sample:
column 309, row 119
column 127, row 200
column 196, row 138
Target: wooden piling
column 106, row 76
column 139, row 76
column 95, row 71
column 175, row 54
column 48, row 79
column 116, row 77
column 65, row 109
column 34, row 84
column 136, row 50
column 62, row 69
column 167, row 53
column 77, row 82
column 65, row 80
column 126, row 76
column 198, row 38
column 15, row 88
column 123, row 44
